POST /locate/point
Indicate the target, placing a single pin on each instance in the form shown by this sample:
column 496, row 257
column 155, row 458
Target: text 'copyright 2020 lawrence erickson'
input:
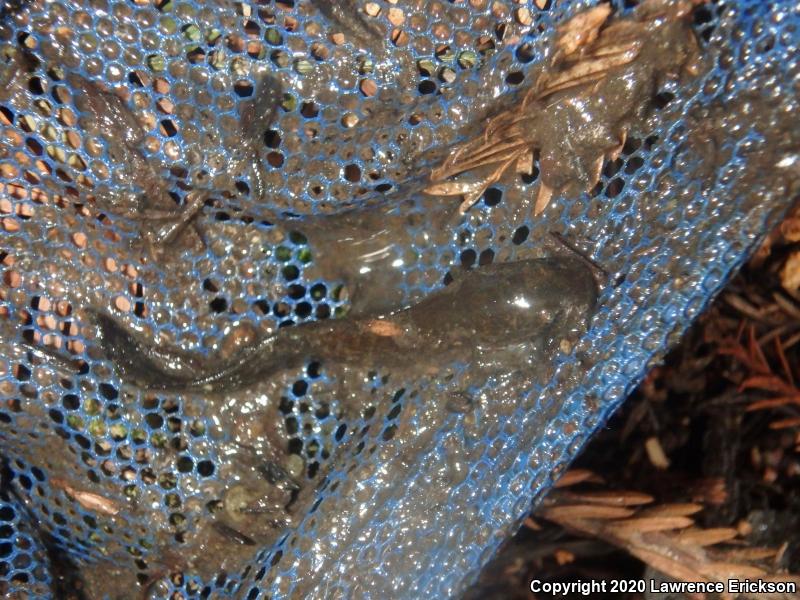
column 587, row 587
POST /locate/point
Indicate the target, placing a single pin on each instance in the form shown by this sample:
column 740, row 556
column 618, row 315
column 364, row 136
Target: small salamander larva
column 491, row 308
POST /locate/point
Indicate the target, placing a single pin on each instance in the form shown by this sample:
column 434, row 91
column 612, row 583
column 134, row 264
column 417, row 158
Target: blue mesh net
column 286, row 131
column 24, row 565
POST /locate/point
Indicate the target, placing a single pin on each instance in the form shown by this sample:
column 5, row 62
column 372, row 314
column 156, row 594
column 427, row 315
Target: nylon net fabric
column 254, row 121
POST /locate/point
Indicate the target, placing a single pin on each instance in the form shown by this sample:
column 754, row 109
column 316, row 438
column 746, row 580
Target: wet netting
column 182, row 182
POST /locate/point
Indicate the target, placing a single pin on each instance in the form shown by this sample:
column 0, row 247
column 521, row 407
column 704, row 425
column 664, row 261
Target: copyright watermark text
column 596, row 586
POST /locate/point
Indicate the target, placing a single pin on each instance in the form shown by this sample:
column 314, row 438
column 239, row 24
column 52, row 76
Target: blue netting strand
column 24, row 565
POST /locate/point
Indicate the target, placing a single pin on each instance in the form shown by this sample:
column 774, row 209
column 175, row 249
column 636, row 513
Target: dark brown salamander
column 600, row 83
column 521, row 304
column 107, row 116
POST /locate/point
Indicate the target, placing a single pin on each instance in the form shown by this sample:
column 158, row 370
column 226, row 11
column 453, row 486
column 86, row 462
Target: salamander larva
column 495, row 307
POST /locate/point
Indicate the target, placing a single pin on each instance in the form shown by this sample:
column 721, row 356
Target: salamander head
column 509, row 303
